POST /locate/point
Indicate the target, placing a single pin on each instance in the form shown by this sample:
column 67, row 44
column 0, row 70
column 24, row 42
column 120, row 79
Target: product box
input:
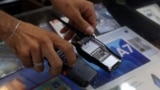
column 140, row 60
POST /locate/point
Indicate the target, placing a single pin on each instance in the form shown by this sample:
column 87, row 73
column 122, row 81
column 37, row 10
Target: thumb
column 83, row 25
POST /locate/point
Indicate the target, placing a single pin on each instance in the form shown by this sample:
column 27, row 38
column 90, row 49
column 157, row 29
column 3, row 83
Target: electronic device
column 81, row 73
column 93, row 50
column 96, row 52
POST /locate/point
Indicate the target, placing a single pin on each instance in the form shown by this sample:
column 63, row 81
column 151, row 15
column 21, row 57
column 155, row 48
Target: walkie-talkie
column 81, row 73
column 96, row 52
column 93, row 50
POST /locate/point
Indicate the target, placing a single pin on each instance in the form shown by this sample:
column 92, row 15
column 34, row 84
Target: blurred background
column 18, row 6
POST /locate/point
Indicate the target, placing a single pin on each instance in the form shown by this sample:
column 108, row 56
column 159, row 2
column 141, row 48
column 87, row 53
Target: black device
column 93, row 50
column 96, row 52
column 81, row 73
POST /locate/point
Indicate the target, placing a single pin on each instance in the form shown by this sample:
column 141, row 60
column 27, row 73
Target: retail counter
column 132, row 24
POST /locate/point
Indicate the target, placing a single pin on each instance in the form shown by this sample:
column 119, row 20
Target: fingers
column 53, row 58
column 49, row 52
column 31, row 47
column 68, row 49
column 68, row 34
column 25, row 57
column 71, row 57
column 81, row 12
column 90, row 16
column 37, row 59
column 64, row 30
column 85, row 18
column 83, row 24
column 31, row 57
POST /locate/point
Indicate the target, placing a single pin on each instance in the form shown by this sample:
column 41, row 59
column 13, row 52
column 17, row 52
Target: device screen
column 97, row 51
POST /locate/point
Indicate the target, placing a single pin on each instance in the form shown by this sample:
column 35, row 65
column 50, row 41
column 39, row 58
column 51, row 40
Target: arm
column 32, row 44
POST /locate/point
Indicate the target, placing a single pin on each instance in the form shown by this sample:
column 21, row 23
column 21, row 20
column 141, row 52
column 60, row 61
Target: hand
column 32, row 44
column 14, row 84
column 81, row 15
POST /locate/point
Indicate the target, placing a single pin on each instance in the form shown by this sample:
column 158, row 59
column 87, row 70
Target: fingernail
column 89, row 30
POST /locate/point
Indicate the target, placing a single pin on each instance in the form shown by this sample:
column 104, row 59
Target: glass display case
column 135, row 38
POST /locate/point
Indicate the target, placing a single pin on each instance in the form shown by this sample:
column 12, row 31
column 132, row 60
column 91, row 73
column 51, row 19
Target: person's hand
column 14, row 84
column 81, row 15
column 32, row 44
